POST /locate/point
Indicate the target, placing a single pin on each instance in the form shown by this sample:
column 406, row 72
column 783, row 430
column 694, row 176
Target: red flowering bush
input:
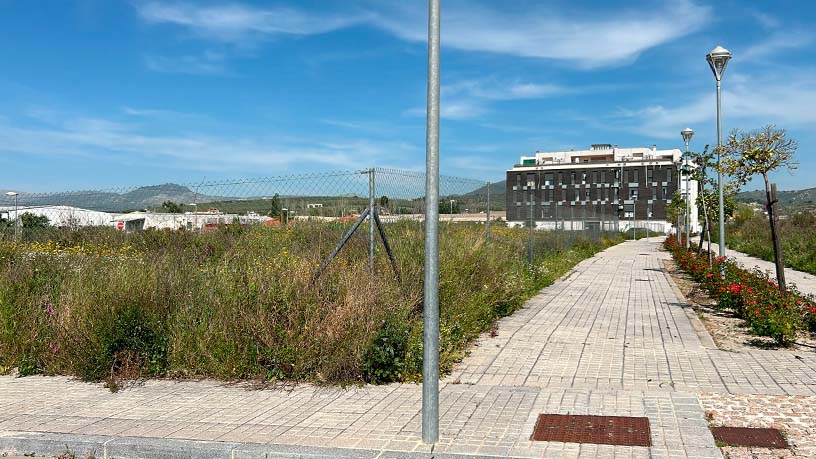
column 752, row 295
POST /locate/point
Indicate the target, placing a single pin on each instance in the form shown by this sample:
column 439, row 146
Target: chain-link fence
column 341, row 197
column 332, row 196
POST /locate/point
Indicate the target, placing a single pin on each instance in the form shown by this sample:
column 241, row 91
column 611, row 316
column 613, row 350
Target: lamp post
column 718, row 59
column 14, row 194
column 687, row 134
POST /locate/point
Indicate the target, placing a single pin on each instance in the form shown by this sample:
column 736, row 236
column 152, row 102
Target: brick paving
column 613, row 338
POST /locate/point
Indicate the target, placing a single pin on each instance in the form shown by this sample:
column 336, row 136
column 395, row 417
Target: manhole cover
column 601, row 430
column 749, row 436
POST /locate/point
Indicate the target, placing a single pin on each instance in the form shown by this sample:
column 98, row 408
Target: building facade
column 604, row 187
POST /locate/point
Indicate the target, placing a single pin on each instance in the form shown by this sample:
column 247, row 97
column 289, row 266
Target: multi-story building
column 603, row 187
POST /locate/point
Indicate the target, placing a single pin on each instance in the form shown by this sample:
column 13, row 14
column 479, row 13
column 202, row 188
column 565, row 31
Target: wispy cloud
column 208, row 63
column 775, row 42
column 67, row 134
column 747, row 103
column 237, row 23
column 586, row 39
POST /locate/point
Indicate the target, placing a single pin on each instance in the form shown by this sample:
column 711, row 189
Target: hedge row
column 752, row 295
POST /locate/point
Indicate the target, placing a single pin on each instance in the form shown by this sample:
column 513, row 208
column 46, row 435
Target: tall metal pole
column 487, row 223
column 679, row 182
column 371, row 221
column 686, row 221
column 430, row 331
column 719, row 172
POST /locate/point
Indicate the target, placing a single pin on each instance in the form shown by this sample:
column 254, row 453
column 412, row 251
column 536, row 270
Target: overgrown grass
column 749, row 232
column 238, row 303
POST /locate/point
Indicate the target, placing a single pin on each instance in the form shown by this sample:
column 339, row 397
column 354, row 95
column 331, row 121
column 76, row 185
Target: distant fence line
column 332, row 195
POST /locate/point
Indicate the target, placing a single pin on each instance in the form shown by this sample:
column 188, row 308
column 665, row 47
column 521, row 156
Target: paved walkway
column 611, row 338
column 805, row 282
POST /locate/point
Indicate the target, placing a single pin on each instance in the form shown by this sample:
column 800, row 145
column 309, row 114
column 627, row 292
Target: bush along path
column 751, row 295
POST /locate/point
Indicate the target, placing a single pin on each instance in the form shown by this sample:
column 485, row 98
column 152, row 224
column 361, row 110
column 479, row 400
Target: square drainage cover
column 749, row 436
column 600, row 430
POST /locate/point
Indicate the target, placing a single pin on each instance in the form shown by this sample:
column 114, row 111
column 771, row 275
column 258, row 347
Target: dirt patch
column 729, row 332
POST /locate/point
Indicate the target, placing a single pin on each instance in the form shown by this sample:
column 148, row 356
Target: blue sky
column 101, row 93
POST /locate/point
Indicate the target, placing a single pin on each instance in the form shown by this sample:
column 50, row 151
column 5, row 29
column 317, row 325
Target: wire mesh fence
column 339, row 198
column 331, row 196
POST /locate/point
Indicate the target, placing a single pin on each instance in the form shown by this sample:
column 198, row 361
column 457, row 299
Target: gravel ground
column 795, row 416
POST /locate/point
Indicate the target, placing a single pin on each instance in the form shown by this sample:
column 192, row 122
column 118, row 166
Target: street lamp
column 687, row 134
column 718, row 59
column 14, row 194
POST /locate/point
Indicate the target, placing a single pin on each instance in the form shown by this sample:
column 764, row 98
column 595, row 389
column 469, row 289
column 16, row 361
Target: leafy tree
column 708, row 193
column 383, row 201
column 171, row 207
column 275, row 206
column 758, row 153
column 30, row 220
column 446, row 207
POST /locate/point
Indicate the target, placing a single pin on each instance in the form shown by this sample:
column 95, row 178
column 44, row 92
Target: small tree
column 275, row 206
column 29, row 220
column 171, row 207
column 384, row 201
column 760, row 152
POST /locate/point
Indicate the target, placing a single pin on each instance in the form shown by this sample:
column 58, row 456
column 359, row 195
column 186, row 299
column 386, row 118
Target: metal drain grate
column 749, row 436
column 600, row 430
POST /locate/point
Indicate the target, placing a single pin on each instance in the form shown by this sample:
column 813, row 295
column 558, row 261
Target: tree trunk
column 770, row 199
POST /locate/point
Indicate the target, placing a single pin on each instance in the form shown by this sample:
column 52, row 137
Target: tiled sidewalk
column 612, row 338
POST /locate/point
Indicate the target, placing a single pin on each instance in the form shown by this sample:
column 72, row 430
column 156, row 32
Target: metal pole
column 487, row 222
column 430, row 331
column 531, row 229
column 719, row 171
column 16, row 220
column 688, row 201
column 679, row 179
column 371, row 221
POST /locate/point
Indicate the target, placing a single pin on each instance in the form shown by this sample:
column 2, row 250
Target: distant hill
column 497, row 188
column 788, row 200
column 109, row 201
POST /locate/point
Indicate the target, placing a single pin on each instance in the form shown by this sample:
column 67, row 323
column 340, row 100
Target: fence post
column 371, row 221
column 430, row 329
column 531, row 229
column 487, row 222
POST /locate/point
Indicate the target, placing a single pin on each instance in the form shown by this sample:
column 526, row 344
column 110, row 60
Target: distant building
column 603, row 187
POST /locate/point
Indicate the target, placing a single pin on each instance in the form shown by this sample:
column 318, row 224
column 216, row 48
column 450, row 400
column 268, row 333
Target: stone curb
column 112, row 447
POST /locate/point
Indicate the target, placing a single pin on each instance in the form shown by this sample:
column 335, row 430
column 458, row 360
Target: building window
column 654, row 192
column 586, row 196
column 548, row 178
column 635, row 176
column 572, row 178
column 603, row 177
column 583, row 178
column 669, row 174
column 606, row 194
column 560, row 178
column 665, row 193
column 531, row 179
column 633, row 193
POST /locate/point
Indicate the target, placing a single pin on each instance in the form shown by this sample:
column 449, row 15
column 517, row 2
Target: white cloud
column 64, row 134
column 778, row 41
column 786, row 100
column 236, row 23
column 587, row 39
